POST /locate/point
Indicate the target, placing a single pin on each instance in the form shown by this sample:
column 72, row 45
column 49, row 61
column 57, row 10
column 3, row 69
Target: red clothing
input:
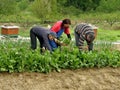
column 57, row 26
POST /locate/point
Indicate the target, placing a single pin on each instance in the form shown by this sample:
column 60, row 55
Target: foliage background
column 57, row 9
column 26, row 13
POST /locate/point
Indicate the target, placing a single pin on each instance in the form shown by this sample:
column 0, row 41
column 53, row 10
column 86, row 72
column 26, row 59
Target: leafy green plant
column 14, row 58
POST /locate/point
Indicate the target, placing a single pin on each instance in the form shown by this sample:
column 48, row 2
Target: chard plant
column 16, row 56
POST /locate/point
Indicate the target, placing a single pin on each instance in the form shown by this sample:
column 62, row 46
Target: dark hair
column 66, row 21
column 91, row 36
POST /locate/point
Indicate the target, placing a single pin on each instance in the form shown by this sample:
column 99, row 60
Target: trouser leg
column 76, row 38
column 33, row 40
column 41, row 44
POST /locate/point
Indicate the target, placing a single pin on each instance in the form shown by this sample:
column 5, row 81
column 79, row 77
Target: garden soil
column 82, row 79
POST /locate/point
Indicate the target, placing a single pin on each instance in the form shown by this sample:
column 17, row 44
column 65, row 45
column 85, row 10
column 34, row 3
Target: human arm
column 79, row 40
column 59, row 42
column 67, row 32
column 69, row 36
column 90, row 46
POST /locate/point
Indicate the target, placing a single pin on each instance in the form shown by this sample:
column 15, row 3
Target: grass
column 108, row 35
column 24, row 32
column 105, row 31
column 104, row 35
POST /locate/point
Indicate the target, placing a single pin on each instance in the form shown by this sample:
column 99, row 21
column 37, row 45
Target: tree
column 23, row 4
column 109, row 6
column 7, row 7
column 43, row 8
column 85, row 5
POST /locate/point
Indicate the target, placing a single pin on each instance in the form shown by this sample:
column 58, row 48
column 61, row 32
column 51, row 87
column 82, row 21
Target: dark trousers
column 33, row 40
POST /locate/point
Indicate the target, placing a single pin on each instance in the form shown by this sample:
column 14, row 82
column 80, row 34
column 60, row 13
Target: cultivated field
column 81, row 79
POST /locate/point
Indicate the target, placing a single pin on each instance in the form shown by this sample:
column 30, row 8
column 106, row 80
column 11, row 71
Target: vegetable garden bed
column 18, row 57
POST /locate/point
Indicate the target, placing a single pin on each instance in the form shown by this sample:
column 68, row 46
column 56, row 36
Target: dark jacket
column 42, row 34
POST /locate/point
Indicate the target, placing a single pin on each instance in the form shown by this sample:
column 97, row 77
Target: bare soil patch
column 117, row 46
column 81, row 79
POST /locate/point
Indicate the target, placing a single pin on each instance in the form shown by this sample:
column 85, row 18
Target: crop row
column 18, row 57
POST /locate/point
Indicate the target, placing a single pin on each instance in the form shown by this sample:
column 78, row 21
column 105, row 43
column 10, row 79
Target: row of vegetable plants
column 16, row 56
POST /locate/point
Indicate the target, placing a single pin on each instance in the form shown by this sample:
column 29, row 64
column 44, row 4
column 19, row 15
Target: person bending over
column 48, row 39
column 84, row 32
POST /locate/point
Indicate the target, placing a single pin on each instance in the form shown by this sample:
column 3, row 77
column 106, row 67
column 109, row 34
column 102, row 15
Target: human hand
column 85, row 48
column 63, row 44
column 43, row 49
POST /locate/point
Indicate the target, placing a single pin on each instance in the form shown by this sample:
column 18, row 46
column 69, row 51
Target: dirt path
column 82, row 79
column 117, row 46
